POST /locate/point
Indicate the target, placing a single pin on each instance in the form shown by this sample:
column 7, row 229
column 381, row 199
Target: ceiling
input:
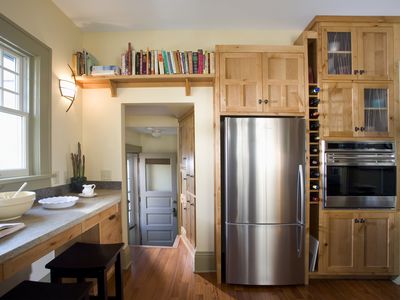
column 125, row 15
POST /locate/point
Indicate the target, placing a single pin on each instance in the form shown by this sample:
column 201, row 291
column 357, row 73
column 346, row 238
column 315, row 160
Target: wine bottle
column 314, row 102
column 314, row 90
column 315, row 186
column 314, row 114
column 314, row 125
column 314, row 162
column 314, row 197
column 314, row 174
column 314, row 149
column 314, row 138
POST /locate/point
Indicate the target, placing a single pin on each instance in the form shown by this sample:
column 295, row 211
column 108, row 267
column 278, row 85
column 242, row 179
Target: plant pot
column 76, row 184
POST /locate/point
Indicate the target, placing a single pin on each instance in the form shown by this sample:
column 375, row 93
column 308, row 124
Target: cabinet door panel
column 338, row 53
column 338, row 240
column 338, row 102
column 376, row 243
column 375, row 109
column 240, row 81
column 283, row 82
column 375, row 53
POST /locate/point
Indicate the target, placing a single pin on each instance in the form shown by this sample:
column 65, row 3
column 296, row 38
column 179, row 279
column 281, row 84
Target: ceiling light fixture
column 156, row 132
column 68, row 88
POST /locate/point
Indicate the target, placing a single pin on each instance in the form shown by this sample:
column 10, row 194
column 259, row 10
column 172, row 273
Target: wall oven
column 359, row 174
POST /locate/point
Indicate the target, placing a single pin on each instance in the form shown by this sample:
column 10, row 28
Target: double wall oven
column 359, row 174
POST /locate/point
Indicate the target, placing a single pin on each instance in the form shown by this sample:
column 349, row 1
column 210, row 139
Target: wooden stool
column 83, row 260
column 33, row 290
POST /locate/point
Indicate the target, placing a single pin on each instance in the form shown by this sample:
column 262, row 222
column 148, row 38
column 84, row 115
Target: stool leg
column 119, row 289
column 102, row 286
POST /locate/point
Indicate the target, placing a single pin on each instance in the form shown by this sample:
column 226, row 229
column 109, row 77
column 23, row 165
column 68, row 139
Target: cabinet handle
column 266, row 101
column 112, row 217
column 260, row 101
column 362, row 72
column 356, row 128
column 355, row 72
column 356, row 221
column 362, row 220
column 362, row 128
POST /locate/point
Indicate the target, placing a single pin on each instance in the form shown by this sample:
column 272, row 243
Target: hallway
column 166, row 273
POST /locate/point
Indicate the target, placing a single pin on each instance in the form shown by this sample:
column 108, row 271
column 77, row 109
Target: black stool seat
column 33, row 290
column 84, row 260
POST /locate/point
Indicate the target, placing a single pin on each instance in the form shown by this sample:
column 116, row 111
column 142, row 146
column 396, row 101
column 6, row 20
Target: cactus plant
column 78, row 170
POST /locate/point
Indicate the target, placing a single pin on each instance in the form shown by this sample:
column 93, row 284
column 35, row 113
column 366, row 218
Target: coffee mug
column 88, row 189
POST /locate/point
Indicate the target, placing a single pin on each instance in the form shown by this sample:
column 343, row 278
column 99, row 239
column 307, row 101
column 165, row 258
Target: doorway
column 154, row 216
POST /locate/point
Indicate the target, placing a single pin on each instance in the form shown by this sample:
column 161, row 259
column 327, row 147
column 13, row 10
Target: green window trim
column 40, row 85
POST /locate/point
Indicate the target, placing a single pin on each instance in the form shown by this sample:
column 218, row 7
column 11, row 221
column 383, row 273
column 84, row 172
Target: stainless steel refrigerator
column 264, row 200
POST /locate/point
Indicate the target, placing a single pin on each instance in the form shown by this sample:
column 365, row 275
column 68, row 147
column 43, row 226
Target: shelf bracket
column 187, row 87
column 113, row 88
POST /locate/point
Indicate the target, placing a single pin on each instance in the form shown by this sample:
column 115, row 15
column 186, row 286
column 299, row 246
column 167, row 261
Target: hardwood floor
column 166, row 274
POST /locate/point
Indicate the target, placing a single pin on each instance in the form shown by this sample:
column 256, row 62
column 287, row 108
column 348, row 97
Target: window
column 14, row 113
column 25, row 108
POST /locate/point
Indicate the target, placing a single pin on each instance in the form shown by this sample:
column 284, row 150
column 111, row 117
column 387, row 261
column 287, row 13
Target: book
column 177, row 62
column 144, row 63
column 8, row 228
column 200, row 62
column 137, row 63
column 133, row 64
column 186, row 62
column 171, row 62
column 156, row 62
column 123, row 66
column 160, row 63
column 190, row 59
column 129, row 58
column 105, row 70
column 212, row 63
column 165, row 60
column 206, row 62
column 195, row 63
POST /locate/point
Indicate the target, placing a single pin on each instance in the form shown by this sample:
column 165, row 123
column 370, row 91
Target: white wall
column 102, row 139
column 48, row 24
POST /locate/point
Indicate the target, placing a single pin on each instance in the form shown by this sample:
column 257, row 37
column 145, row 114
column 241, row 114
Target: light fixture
column 156, row 132
column 68, row 88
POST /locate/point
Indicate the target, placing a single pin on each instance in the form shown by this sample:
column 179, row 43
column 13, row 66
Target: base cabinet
column 360, row 243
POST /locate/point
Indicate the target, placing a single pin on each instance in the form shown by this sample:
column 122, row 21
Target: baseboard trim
column 204, row 262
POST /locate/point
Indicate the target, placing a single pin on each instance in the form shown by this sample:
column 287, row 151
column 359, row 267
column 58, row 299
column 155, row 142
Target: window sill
column 34, row 181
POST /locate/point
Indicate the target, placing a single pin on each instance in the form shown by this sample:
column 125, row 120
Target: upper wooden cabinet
column 262, row 81
column 357, row 109
column 363, row 53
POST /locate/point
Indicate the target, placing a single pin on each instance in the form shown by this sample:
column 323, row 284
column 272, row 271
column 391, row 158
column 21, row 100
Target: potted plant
column 78, row 169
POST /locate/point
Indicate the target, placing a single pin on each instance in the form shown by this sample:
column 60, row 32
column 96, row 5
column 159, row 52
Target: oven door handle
column 300, row 195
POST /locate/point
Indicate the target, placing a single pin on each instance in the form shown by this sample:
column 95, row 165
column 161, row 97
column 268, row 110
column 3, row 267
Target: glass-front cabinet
column 362, row 53
column 357, row 109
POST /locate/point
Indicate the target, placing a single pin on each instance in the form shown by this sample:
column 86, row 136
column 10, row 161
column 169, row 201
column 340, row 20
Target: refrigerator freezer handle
column 299, row 240
column 300, row 198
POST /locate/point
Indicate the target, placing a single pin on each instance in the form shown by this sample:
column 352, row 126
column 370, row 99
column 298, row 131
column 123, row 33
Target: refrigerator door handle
column 299, row 240
column 300, row 198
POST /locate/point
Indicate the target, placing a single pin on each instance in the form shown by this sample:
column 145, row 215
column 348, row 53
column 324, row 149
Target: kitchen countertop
column 42, row 224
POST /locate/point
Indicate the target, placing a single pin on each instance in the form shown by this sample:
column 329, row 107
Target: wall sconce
column 68, row 88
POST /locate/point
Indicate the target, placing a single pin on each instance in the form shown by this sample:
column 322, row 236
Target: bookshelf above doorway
column 130, row 81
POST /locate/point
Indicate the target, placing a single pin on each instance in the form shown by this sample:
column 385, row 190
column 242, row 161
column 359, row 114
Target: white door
column 158, row 192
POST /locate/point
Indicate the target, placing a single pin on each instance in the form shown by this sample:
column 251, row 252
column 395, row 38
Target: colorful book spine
column 190, row 59
column 195, row 63
column 161, row 62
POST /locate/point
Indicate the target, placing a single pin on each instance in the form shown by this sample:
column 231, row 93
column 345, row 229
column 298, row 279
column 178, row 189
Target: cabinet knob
column 362, row 72
column 356, row 221
column 362, row 128
column 266, row 101
column 260, row 101
column 356, row 128
column 326, row 244
column 362, row 220
column 355, row 72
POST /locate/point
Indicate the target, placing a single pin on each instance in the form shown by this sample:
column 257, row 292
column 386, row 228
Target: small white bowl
column 13, row 208
column 58, row 202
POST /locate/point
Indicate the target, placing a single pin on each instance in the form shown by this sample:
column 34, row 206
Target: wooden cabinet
column 256, row 82
column 357, row 109
column 111, row 229
column 353, row 242
column 362, row 53
column 187, row 177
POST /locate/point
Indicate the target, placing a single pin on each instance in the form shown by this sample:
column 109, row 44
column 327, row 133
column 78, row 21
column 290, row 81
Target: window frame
column 23, row 111
column 39, row 88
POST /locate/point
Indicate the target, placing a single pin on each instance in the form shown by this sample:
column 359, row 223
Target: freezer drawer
column 265, row 254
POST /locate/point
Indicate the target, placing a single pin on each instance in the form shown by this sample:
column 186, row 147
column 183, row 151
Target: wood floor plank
column 167, row 274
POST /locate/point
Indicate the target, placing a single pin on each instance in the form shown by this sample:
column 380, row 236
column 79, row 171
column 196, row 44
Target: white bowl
column 13, row 208
column 58, row 202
